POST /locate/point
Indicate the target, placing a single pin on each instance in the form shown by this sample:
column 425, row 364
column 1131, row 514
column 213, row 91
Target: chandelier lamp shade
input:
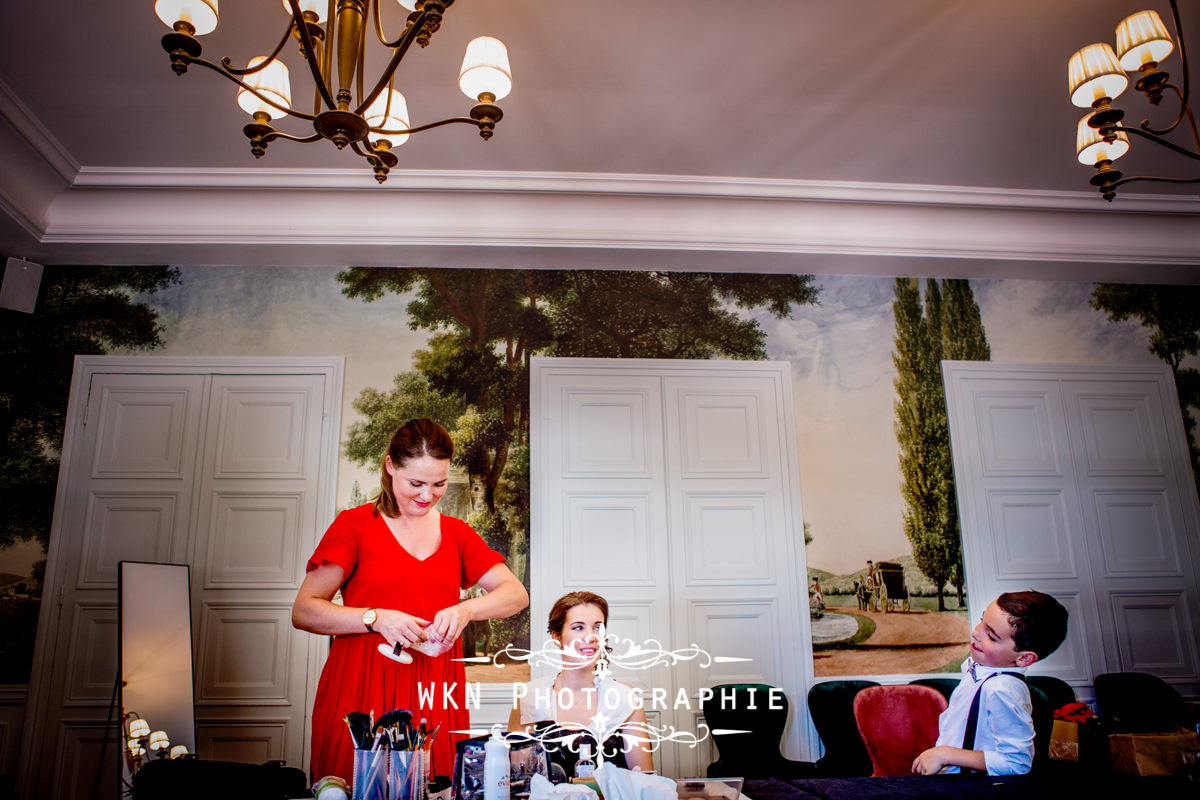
column 370, row 119
column 1097, row 75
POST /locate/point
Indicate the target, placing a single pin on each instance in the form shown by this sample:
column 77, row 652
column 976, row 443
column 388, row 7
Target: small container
column 370, row 775
column 331, row 787
column 431, row 649
column 496, row 768
column 585, row 767
column 406, row 775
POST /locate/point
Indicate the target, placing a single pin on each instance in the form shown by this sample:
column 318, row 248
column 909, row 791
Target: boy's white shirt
column 1004, row 730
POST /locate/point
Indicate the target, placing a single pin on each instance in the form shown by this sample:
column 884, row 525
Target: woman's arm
column 315, row 612
column 637, row 755
column 505, row 597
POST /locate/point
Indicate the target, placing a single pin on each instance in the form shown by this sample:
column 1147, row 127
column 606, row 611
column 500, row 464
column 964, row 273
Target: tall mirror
column 158, row 716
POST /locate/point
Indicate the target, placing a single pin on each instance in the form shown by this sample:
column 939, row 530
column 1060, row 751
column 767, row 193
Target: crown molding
column 634, row 185
column 36, row 135
column 269, row 215
column 616, row 222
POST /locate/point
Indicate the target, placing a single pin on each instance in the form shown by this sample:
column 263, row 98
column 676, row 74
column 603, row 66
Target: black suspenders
column 973, row 714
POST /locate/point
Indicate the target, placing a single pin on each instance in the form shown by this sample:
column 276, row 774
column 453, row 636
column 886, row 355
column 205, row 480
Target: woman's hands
column 399, row 627
column 407, row 629
column 448, row 624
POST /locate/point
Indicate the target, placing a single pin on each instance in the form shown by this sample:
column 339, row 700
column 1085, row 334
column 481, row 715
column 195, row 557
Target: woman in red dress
column 399, row 564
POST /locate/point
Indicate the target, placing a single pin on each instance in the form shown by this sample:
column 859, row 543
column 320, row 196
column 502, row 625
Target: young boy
column 1015, row 631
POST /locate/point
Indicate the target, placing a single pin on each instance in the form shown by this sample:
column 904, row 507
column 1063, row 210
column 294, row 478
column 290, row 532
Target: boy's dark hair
column 1039, row 622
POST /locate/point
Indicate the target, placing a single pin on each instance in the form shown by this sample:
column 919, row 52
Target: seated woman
column 573, row 699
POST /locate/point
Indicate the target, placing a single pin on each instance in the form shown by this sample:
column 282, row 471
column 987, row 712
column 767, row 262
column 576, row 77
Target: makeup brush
column 359, row 723
column 399, row 716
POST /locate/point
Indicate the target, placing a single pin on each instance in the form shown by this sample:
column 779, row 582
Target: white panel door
column 1076, row 481
column 670, row 487
column 226, row 466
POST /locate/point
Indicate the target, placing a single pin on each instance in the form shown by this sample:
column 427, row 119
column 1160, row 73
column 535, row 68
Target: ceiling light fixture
column 1096, row 75
column 372, row 123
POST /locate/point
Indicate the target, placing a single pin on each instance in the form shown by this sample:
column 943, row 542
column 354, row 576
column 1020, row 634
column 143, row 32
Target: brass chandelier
column 1096, row 75
column 371, row 123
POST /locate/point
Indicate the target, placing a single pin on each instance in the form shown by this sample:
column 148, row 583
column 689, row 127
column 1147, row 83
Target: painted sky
column 841, row 356
column 840, row 351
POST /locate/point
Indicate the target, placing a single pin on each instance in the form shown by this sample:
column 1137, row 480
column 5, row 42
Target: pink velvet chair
column 897, row 723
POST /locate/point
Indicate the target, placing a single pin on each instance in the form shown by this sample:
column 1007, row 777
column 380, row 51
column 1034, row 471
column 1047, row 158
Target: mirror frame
column 154, row 658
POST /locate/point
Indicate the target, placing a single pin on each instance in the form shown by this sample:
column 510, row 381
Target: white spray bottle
column 495, row 768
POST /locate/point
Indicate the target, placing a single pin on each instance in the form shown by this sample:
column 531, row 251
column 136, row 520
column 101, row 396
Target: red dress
column 382, row 574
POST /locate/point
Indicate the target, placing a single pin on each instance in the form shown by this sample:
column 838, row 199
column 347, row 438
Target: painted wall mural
column 881, row 529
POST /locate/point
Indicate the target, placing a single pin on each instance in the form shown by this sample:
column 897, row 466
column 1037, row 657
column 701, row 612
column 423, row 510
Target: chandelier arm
column 291, row 112
column 401, row 48
column 326, row 61
column 316, row 137
column 429, row 125
column 1184, row 108
column 310, row 53
column 1158, row 140
column 379, row 30
column 231, row 69
column 1156, row 179
column 1184, row 111
column 362, row 56
column 1182, row 53
column 357, row 147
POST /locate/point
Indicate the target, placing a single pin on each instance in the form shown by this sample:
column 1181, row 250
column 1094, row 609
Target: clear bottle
column 496, row 768
column 585, row 767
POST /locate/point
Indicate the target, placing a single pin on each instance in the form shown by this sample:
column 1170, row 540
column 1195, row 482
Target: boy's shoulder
column 1001, row 682
column 1007, row 689
column 1004, row 680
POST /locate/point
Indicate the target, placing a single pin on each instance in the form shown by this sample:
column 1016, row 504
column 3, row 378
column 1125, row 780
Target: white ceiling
column 865, row 136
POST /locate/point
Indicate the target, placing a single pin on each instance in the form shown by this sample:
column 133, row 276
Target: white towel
column 542, row 789
column 623, row 784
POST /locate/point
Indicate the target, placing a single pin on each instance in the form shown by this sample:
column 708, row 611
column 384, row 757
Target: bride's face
column 582, row 636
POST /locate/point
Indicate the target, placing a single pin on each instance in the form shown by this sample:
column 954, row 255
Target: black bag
column 195, row 779
column 525, row 759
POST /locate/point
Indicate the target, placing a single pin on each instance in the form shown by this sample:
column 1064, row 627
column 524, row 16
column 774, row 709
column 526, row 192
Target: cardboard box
column 1150, row 753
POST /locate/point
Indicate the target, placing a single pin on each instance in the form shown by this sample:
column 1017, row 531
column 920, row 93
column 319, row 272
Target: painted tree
column 917, row 410
column 963, row 339
column 80, row 311
column 669, row 314
column 947, row 326
column 485, row 325
column 1172, row 315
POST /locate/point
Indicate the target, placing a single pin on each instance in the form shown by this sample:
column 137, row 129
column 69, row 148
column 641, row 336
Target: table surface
column 1060, row 786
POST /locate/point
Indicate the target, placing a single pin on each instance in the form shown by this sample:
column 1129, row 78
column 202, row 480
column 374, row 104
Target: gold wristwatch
column 368, row 617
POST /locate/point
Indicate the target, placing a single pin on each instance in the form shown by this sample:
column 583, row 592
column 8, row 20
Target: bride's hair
column 558, row 612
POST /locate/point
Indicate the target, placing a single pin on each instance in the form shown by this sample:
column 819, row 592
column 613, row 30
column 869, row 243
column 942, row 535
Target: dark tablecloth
column 1063, row 786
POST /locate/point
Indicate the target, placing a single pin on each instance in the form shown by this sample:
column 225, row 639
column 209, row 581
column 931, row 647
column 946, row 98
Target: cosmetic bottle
column 495, row 768
column 585, row 767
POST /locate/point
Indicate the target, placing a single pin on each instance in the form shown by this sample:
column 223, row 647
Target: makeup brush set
column 391, row 755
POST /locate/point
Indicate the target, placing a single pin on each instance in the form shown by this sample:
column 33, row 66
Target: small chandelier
column 372, row 123
column 1096, row 75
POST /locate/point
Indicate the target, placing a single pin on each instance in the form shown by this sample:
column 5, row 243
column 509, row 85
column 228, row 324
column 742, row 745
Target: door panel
column 225, row 466
column 670, row 488
column 1076, row 481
